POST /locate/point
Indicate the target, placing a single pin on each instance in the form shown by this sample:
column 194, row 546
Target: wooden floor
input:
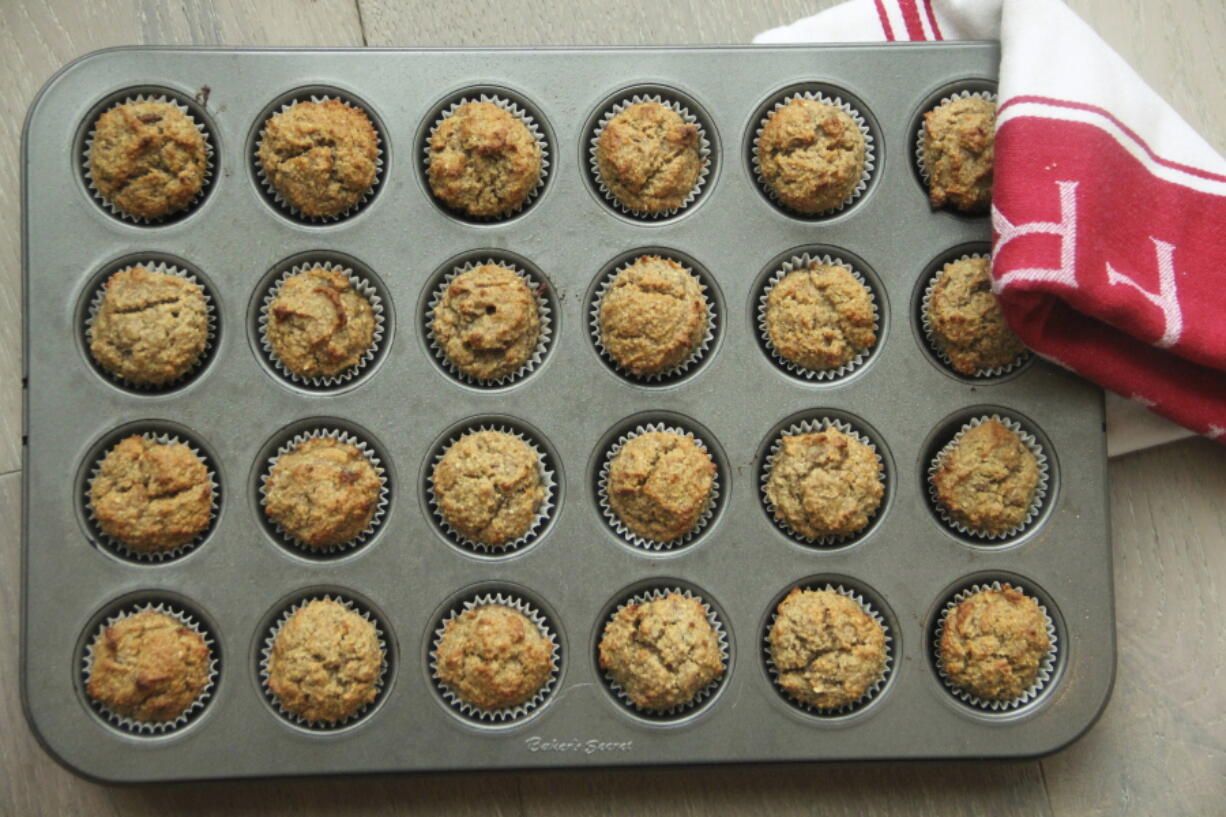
column 1160, row 748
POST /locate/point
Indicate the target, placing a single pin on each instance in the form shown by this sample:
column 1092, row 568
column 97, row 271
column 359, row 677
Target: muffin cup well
column 1040, row 491
column 801, row 262
column 360, row 285
column 95, row 305
column 704, row 154
column 1046, row 666
column 270, row 639
column 125, row 722
column 206, row 180
column 615, row 522
column 543, row 310
column 341, row 436
column 871, row 692
column 509, row 714
column 920, row 132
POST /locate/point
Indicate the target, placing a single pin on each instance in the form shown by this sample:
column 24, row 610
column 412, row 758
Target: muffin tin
column 576, row 568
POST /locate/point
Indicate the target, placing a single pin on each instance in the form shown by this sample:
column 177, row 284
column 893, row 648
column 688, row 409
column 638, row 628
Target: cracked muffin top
column 320, row 157
column 151, row 496
column 825, row 483
column 820, row 318
column 987, row 480
column 494, row 657
column 488, row 322
column 148, row 159
column 488, row 487
column 149, row 666
column 660, row 484
column 319, row 325
column 648, row 157
column 811, row 155
column 483, row 160
column 151, row 327
column 994, row 643
column 653, row 316
column 966, row 319
column 325, row 662
column 323, row 492
column 661, row 652
column 959, row 147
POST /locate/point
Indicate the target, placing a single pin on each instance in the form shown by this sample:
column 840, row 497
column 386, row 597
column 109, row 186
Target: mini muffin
column 825, row 483
column 148, row 159
column 323, row 492
column 149, row 666
column 318, row 324
column 966, row 319
column 325, row 662
column 958, row 148
column 320, row 157
column 661, row 652
column 488, row 486
column 488, row 322
column 820, row 318
column 483, row 160
column 993, row 644
column 653, row 316
column 811, row 155
column 648, row 157
column 151, row 327
column 987, row 480
column 828, row 652
column 151, row 497
column 493, row 657
column 660, row 484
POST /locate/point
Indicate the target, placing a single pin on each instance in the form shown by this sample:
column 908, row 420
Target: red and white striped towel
column 1108, row 210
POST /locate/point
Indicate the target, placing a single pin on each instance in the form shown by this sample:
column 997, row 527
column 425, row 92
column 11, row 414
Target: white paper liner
column 116, row 545
column 542, row 512
column 510, row 713
column 1046, row 666
column 872, row 691
column 128, row 723
column 266, row 655
column 281, row 201
column 360, row 285
column 544, row 334
column 1040, row 490
column 668, row 374
column 615, row 521
column 205, row 181
column 704, row 154
column 809, row 427
column 210, row 311
column 341, row 436
column 870, row 152
column 802, row 262
column 518, row 112
column 920, row 162
column 935, row 346
column 721, row 637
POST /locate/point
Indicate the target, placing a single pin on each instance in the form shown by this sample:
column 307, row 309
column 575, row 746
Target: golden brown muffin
column 149, row 666
column 660, row 484
column 967, row 322
column 494, row 657
column 828, row 652
column 994, row 643
column 320, row 157
column 148, row 159
column 648, row 157
column 662, row 652
column 323, row 493
column 151, row 327
column 987, row 480
column 821, row 317
column 653, row 316
column 318, row 324
column 811, row 155
column 325, row 662
column 151, row 496
column 483, row 160
column 825, row 483
column 488, row 487
column 488, row 322
column 958, row 148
